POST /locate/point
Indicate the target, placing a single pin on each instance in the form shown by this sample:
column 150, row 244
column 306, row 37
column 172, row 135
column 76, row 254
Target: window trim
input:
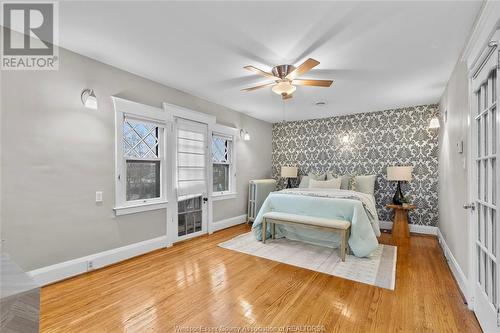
column 127, row 109
column 231, row 134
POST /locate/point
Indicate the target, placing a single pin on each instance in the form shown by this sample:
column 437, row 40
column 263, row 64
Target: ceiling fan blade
column 304, row 68
column 258, row 87
column 261, row 72
column 286, row 96
column 315, row 83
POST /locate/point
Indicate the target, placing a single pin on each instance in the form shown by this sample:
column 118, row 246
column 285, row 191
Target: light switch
column 98, row 196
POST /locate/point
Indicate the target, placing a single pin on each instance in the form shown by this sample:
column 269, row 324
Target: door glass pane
column 493, row 232
column 484, row 223
column 479, row 215
column 181, row 225
column 485, row 134
column 482, row 261
column 478, row 97
column 486, row 273
column 485, row 96
column 190, row 215
column 494, row 283
column 493, row 181
column 189, row 223
column 479, row 272
column 479, row 130
column 487, row 228
column 479, row 171
column 494, row 131
column 494, row 86
column 485, row 176
column 197, row 221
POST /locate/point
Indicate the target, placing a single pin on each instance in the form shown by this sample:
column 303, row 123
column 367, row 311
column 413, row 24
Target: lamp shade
column 434, row 123
column 399, row 173
column 283, row 87
column 288, row 172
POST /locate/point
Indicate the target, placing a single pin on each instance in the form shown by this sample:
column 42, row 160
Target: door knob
column 470, row 206
column 205, row 199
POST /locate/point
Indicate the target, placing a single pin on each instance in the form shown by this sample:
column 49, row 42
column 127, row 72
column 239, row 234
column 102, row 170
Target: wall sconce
column 345, row 139
column 434, row 123
column 244, row 135
column 89, row 100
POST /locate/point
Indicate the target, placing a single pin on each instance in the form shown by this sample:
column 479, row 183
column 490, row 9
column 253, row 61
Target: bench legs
column 264, row 231
column 344, row 237
column 342, row 244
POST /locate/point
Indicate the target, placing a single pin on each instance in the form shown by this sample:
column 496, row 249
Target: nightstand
column 400, row 229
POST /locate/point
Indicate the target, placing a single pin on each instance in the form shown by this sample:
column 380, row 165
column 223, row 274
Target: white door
column 485, row 191
column 191, row 178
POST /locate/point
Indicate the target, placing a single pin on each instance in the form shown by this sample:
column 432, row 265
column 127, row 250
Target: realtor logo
column 29, row 36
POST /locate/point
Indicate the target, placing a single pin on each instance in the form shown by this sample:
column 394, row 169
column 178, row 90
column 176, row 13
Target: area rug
column 379, row 269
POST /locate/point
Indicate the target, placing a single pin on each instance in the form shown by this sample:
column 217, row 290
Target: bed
column 356, row 207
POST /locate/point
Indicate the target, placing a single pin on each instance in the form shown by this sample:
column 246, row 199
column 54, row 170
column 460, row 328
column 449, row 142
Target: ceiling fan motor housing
column 282, row 71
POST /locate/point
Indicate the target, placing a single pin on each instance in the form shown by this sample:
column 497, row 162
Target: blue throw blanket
column 327, row 204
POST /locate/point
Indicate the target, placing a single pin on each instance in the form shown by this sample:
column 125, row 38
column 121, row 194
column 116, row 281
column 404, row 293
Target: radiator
column 258, row 190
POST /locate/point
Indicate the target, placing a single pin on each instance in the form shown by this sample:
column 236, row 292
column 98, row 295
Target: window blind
column 191, row 157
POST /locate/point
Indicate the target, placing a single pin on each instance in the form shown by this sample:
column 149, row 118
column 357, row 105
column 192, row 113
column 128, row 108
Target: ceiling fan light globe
column 283, row 87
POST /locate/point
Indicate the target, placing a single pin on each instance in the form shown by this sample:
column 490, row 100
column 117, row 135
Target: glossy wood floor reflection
column 196, row 283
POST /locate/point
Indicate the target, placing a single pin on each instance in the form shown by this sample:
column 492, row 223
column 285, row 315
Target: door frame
column 475, row 60
column 174, row 111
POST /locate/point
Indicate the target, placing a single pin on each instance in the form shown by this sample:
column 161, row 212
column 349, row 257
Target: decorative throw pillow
column 332, row 183
column 317, row 176
column 304, row 182
column 346, row 180
column 365, row 184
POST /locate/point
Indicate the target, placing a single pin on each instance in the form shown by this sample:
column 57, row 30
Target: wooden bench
column 321, row 223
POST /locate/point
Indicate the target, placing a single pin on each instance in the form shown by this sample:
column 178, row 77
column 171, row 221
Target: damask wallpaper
column 364, row 144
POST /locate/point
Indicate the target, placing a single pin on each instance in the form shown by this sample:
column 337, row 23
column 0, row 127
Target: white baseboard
column 455, row 269
column 57, row 272
column 416, row 228
column 232, row 221
column 50, row 274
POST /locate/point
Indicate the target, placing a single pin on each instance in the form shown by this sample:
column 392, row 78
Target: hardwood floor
column 197, row 283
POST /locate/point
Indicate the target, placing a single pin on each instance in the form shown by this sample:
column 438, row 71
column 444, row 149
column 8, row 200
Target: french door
column 485, row 190
column 191, row 177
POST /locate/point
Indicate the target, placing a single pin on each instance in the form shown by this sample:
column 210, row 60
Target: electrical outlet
column 98, row 196
column 90, row 265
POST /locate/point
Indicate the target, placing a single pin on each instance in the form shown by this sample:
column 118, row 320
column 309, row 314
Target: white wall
column 453, row 166
column 56, row 154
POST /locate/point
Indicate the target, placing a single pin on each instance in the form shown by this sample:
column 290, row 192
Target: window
column 141, row 166
column 141, row 154
column 221, row 160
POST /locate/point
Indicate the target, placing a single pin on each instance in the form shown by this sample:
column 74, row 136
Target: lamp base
column 289, row 183
column 398, row 196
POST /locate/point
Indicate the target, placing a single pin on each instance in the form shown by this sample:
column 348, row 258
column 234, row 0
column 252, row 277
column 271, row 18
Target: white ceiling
column 380, row 55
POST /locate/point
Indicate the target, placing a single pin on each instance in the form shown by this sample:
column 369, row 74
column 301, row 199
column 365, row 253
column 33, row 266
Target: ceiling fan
column 285, row 78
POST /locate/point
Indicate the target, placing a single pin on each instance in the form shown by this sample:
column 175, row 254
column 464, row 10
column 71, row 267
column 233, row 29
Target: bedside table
column 400, row 229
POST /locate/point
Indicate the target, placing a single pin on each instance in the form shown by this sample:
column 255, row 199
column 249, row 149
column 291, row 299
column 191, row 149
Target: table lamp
column 288, row 172
column 399, row 174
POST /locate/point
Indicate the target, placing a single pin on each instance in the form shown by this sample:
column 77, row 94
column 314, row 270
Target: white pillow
column 332, row 183
column 365, row 184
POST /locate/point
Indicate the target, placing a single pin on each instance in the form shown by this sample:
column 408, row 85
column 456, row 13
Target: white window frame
column 231, row 134
column 140, row 112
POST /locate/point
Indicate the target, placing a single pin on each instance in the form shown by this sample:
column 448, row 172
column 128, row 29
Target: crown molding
column 487, row 23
